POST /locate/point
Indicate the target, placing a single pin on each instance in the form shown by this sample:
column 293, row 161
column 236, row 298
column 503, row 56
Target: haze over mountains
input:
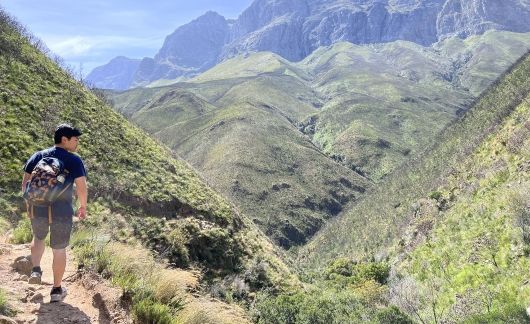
column 293, row 29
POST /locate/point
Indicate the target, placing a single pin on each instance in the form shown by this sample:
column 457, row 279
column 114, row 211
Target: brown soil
column 90, row 299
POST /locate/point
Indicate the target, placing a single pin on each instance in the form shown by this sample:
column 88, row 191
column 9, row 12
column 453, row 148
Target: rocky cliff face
column 295, row 28
column 463, row 18
column 191, row 49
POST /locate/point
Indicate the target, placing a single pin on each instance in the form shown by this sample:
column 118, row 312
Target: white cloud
column 75, row 46
column 72, row 46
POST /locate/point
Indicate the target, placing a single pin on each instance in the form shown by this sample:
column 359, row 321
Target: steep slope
column 474, row 261
column 139, row 190
column 250, row 149
column 386, row 102
column 396, row 203
column 294, row 29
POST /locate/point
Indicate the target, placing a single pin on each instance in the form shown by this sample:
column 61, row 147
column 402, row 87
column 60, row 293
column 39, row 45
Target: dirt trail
column 90, row 299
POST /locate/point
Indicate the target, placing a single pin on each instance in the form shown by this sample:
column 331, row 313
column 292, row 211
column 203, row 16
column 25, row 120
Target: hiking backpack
column 46, row 184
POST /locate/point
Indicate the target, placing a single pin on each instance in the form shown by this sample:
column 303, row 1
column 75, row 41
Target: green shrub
column 90, row 252
column 326, row 306
column 147, row 311
column 377, row 271
column 508, row 314
column 393, row 315
column 178, row 252
column 22, row 233
column 4, row 307
column 341, row 266
column 281, row 309
column 436, row 195
column 344, row 270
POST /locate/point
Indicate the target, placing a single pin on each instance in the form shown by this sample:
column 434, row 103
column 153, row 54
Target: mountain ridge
column 294, row 29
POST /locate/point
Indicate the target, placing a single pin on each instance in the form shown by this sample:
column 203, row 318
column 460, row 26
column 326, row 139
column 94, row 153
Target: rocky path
column 90, row 299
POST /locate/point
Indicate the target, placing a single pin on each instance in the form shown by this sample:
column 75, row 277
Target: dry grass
column 202, row 311
column 171, row 285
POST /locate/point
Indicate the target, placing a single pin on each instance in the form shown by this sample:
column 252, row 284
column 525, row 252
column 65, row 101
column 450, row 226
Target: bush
column 177, row 251
column 508, row 314
column 190, row 240
column 90, row 252
column 281, row 309
column 393, row 315
column 377, row 271
column 148, row 311
column 436, row 195
column 318, row 306
column 23, row 232
column 341, row 266
column 4, row 307
column 356, row 273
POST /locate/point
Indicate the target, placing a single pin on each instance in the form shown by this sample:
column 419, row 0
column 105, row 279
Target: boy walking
column 44, row 172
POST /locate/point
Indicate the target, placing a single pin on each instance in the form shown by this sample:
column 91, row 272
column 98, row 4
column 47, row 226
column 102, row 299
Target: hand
column 81, row 213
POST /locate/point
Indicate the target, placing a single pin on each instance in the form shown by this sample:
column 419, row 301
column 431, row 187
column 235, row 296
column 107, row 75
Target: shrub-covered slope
column 381, row 218
column 242, row 134
column 138, row 189
column 257, row 127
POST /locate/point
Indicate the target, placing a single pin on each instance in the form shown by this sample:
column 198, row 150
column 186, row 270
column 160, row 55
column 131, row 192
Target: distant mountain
column 191, row 49
column 118, row 74
column 295, row 28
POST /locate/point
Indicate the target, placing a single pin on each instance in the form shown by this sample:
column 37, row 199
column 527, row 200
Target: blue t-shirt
column 61, row 208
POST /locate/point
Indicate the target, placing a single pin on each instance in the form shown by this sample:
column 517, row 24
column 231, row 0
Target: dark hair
column 65, row 130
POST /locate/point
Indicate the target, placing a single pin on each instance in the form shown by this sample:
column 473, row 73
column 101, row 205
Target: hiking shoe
column 57, row 294
column 35, row 278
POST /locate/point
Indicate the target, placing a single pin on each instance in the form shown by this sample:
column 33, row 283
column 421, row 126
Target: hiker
column 48, row 186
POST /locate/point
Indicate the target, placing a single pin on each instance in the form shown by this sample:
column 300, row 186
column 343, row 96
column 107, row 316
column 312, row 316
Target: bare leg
column 59, row 265
column 37, row 250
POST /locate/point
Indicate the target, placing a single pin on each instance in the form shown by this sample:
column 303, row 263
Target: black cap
column 65, row 130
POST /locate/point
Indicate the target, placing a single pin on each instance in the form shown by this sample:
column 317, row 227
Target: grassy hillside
column 258, row 126
column 140, row 192
column 253, row 153
column 388, row 210
column 474, row 262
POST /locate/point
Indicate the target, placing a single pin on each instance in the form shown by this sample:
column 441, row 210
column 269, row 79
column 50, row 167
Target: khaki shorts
column 60, row 231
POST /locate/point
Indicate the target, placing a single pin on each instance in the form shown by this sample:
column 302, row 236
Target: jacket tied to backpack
column 46, row 185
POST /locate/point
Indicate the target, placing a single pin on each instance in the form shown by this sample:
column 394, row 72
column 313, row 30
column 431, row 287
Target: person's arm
column 82, row 195
column 25, row 179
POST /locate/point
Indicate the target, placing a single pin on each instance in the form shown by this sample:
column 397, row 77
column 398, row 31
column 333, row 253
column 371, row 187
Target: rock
column 23, row 278
column 23, row 265
column 464, row 18
column 37, row 298
column 7, row 320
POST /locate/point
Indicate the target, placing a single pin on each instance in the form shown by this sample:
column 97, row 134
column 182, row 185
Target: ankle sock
column 57, row 290
column 36, row 269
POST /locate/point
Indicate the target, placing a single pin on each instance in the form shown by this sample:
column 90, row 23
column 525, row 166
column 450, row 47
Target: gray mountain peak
column 295, row 28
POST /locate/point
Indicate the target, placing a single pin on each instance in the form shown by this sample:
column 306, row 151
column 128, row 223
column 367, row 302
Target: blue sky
column 92, row 32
